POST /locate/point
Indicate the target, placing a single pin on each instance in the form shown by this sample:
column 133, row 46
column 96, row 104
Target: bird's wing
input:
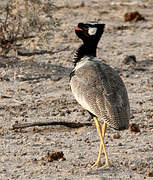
column 100, row 90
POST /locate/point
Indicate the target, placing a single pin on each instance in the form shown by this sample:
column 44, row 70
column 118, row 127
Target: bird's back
column 100, row 90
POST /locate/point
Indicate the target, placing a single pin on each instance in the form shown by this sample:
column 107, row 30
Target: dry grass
column 26, row 24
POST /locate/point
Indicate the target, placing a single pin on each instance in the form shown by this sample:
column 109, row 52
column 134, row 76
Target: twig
column 7, row 13
column 39, row 52
column 67, row 124
column 71, row 7
column 14, row 39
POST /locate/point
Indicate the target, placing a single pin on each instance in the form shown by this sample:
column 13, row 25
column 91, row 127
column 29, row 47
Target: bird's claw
column 99, row 165
column 104, row 166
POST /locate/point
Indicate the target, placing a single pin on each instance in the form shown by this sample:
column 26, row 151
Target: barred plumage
column 100, row 90
column 97, row 86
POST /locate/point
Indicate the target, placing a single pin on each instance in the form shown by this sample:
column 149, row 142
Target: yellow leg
column 101, row 132
column 107, row 164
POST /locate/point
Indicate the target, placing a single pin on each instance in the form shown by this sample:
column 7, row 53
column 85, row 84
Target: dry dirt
column 34, row 89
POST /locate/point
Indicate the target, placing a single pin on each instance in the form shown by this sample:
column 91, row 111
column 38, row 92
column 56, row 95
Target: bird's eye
column 92, row 30
column 86, row 27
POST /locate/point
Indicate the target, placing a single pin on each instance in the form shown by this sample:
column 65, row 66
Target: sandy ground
column 37, row 89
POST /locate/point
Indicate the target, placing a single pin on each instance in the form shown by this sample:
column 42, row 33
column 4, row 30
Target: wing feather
column 100, row 90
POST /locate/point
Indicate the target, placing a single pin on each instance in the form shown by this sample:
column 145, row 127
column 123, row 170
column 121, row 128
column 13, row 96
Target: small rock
column 19, row 166
column 87, row 140
column 116, row 136
column 134, row 128
column 133, row 16
column 120, row 144
column 41, row 163
column 54, row 156
column 149, row 174
column 133, row 167
column 54, row 78
column 24, row 154
column 68, row 111
column 130, row 59
column 62, row 114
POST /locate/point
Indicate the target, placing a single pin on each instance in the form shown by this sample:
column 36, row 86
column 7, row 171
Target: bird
column 97, row 87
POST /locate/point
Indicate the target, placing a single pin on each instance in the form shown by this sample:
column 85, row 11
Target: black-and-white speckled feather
column 95, row 85
column 99, row 89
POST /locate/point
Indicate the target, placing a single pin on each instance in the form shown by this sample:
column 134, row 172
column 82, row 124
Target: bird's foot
column 97, row 163
column 105, row 166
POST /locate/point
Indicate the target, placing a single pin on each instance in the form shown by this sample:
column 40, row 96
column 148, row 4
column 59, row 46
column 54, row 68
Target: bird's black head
column 90, row 33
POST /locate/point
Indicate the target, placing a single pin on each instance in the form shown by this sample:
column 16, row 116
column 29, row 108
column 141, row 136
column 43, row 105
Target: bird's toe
column 107, row 165
column 97, row 164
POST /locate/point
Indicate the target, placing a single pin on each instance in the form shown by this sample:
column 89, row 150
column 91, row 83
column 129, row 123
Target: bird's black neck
column 85, row 50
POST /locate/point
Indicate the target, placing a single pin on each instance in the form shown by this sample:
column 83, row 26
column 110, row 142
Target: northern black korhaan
column 98, row 87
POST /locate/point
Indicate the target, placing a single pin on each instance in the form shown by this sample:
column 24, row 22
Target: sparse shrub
column 25, row 24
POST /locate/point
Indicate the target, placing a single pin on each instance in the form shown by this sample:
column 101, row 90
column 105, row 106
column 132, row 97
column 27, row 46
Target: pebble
column 120, row 144
column 116, row 136
column 149, row 174
column 131, row 59
column 133, row 167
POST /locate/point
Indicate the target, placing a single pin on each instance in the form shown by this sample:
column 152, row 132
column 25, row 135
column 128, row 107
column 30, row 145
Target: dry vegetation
column 26, row 25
